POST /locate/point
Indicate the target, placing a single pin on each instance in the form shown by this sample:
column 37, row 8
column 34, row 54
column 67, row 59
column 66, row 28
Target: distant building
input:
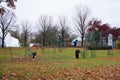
column 105, row 37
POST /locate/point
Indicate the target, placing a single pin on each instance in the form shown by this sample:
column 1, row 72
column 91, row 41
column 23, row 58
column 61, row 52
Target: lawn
column 55, row 64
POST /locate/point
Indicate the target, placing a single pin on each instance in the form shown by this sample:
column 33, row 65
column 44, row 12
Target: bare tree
column 81, row 21
column 6, row 21
column 26, row 27
column 44, row 23
column 64, row 29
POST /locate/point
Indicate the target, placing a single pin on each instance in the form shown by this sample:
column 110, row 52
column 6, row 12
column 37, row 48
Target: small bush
column 110, row 53
column 84, row 54
column 93, row 54
column 118, row 44
column 99, row 47
column 1, row 75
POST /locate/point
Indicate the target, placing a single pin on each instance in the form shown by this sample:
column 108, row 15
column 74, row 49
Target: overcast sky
column 106, row 10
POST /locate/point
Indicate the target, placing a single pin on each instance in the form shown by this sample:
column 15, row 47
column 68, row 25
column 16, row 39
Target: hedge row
column 99, row 47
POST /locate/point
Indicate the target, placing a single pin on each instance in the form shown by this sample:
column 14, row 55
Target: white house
column 10, row 41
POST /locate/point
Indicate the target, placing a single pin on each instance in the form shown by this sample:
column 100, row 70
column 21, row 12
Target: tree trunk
column 3, row 42
column 82, row 41
column 44, row 40
column 63, row 40
column 25, row 42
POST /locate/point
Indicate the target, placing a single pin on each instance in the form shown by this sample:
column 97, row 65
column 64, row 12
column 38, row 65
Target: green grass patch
column 52, row 62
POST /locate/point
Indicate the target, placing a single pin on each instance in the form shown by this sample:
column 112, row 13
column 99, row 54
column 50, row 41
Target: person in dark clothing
column 77, row 53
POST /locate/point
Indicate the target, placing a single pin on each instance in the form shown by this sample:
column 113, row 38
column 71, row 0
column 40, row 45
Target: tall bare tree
column 6, row 21
column 45, row 22
column 26, row 27
column 81, row 21
column 63, row 27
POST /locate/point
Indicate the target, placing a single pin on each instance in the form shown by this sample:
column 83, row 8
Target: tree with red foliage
column 9, row 3
column 102, row 29
column 115, row 32
column 97, row 24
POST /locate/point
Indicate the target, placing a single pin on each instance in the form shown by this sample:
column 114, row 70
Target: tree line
column 50, row 33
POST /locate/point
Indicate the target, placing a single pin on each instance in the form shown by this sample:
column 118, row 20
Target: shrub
column 118, row 44
column 1, row 75
column 110, row 53
column 84, row 54
column 93, row 54
column 99, row 47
